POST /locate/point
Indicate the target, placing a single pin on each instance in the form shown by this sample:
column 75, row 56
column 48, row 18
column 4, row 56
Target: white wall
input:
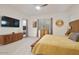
column 8, row 30
column 60, row 30
column 32, row 31
column 70, row 15
column 74, row 13
column 56, row 30
column 11, row 12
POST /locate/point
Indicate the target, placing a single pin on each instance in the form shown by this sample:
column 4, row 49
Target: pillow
column 68, row 32
column 70, row 35
column 77, row 39
column 74, row 36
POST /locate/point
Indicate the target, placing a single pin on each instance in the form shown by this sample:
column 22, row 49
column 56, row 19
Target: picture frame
column 35, row 24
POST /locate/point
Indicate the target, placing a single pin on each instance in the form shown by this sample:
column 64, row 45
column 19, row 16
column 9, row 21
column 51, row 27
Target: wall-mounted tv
column 9, row 22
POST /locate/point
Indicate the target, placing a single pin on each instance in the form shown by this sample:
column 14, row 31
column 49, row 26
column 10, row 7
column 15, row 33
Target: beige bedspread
column 56, row 45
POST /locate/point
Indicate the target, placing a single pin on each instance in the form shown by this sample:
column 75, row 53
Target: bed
column 57, row 45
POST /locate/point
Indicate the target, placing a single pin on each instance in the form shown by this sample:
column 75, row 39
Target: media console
column 9, row 38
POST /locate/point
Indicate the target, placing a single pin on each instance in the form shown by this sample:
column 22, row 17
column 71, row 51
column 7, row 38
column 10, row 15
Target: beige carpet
column 21, row 47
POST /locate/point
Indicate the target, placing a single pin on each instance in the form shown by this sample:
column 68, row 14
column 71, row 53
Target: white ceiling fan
column 39, row 6
column 43, row 5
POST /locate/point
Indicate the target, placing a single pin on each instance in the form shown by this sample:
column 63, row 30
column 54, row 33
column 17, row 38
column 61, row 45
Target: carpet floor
column 21, row 47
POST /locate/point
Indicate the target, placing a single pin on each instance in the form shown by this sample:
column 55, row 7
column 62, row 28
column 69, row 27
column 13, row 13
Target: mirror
column 59, row 23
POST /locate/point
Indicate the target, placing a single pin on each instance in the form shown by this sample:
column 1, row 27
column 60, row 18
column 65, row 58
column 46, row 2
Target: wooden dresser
column 8, row 38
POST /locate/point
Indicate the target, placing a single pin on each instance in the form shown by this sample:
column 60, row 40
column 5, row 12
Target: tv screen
column 16, row 23
column 9, row 22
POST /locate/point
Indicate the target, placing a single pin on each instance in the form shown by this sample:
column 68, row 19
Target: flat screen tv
column 9, row 22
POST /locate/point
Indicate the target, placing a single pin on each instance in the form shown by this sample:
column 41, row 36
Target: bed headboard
column 74, row 26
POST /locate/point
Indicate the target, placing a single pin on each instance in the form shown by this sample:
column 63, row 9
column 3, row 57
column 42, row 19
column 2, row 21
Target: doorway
column 25, row 28
column 44, row 26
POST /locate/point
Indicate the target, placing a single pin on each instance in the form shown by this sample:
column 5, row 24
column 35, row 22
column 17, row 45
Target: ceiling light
column 38, row 7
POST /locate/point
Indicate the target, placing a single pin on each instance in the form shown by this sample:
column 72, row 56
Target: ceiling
column 29, row 9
